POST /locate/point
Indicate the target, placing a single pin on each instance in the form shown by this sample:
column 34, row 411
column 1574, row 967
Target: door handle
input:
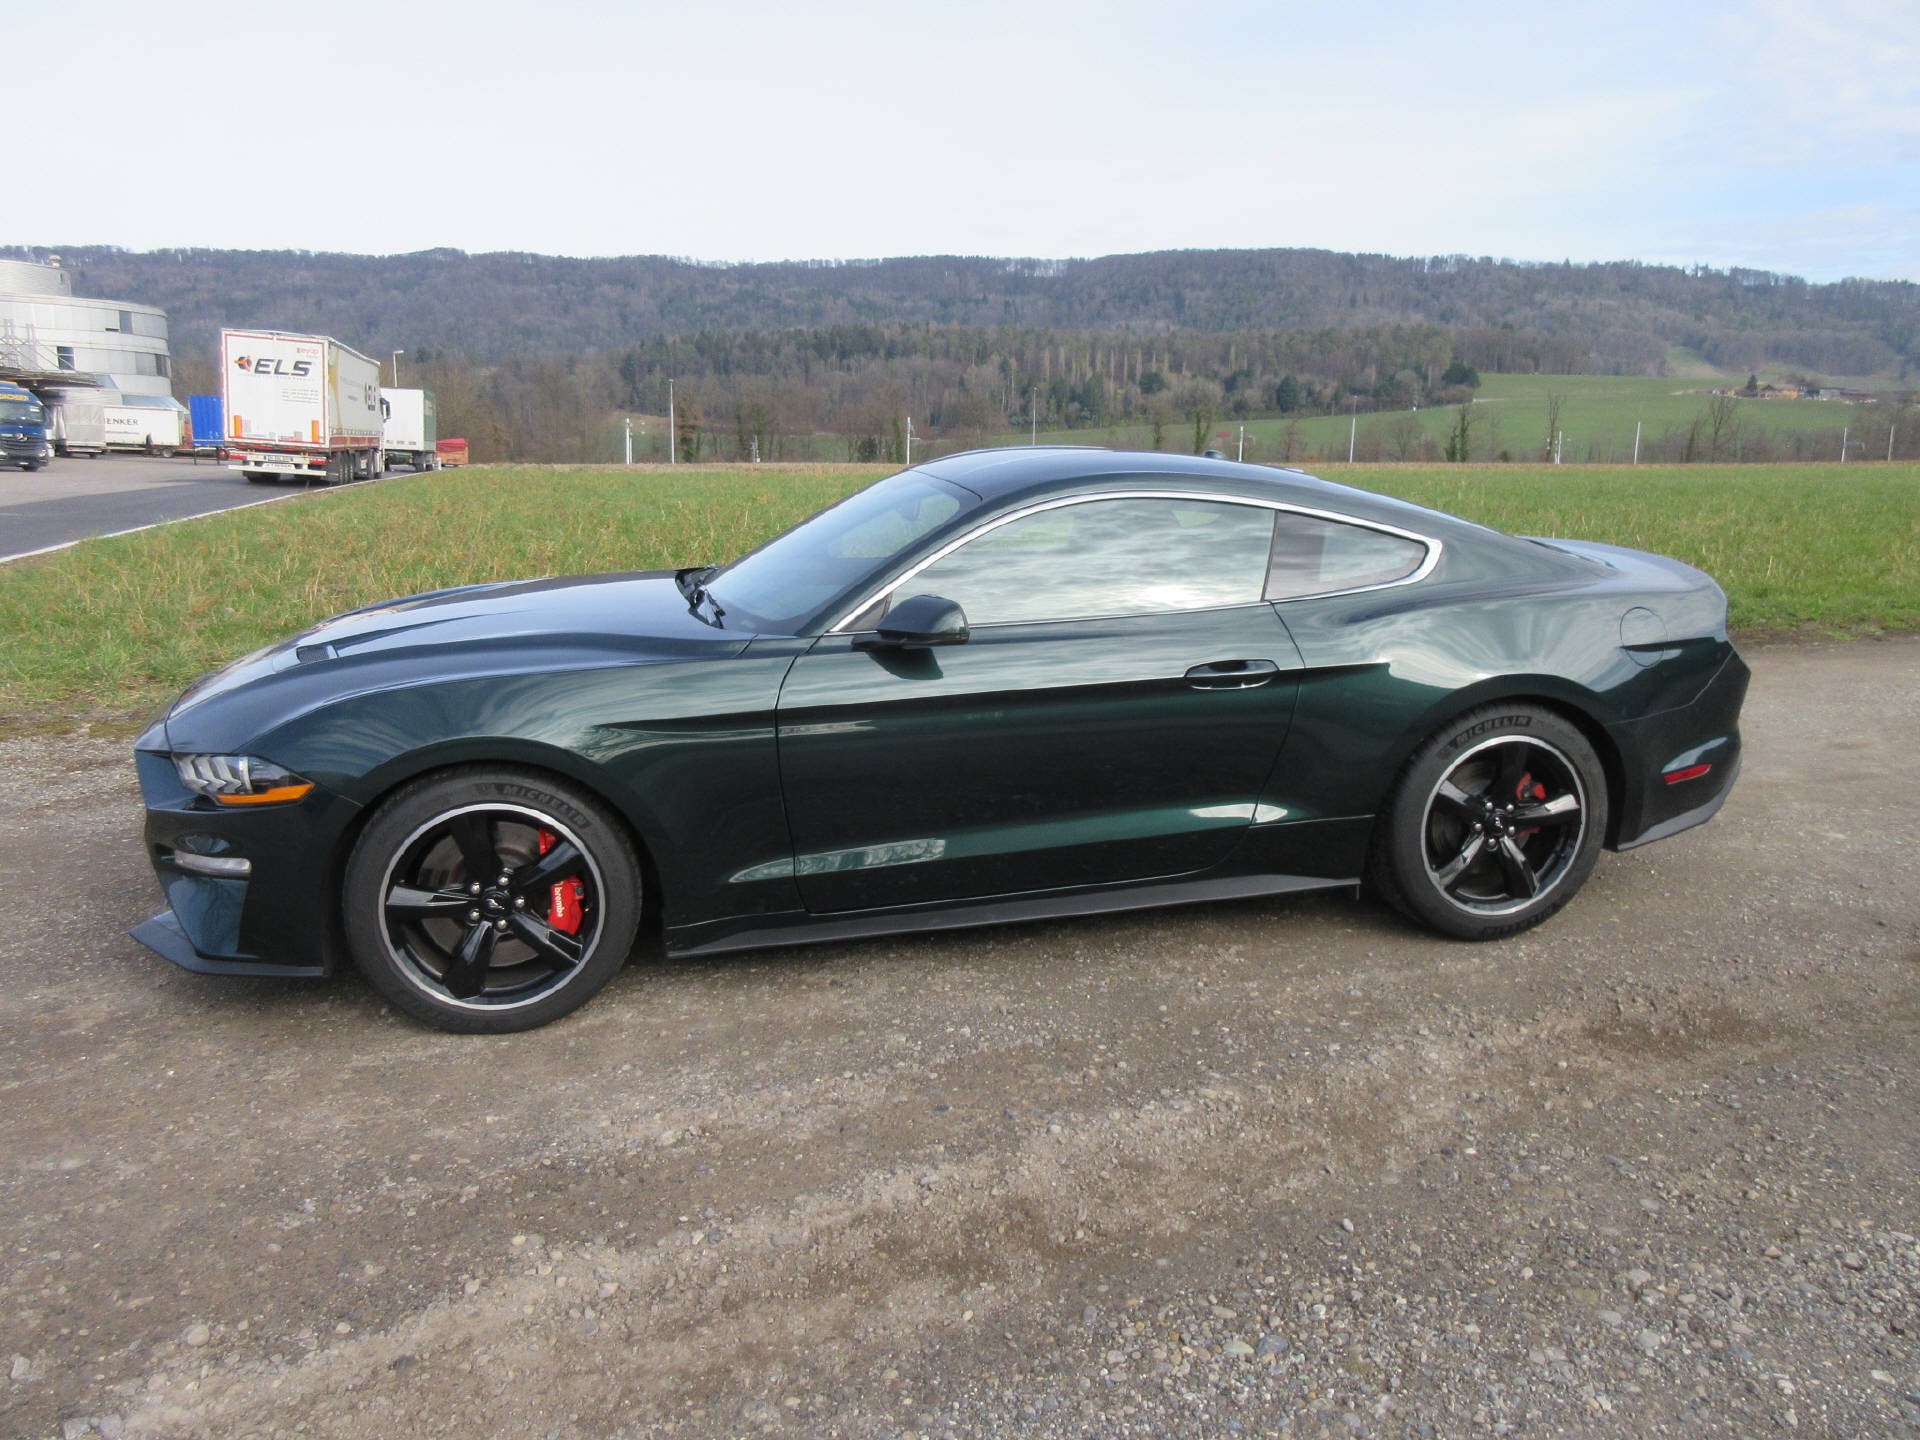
column 1232, row 674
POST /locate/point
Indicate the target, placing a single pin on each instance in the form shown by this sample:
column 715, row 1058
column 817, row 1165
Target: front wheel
column 1495, row 824
column 491, row 901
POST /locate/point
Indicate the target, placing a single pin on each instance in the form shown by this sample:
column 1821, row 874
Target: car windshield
column 19, row 410
column 789, row 579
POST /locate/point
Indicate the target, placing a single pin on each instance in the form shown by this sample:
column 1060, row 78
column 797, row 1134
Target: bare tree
column 1292, row 447
column 1723, row 425
column 1406, row 437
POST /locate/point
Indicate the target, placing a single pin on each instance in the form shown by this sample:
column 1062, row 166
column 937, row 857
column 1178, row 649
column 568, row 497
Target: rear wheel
column 1496, row 823
column 491, row 901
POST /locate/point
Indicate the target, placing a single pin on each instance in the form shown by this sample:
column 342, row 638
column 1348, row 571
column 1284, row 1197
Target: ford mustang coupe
column 997, row 686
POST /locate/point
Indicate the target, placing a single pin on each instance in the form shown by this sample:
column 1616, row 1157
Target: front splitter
column 163, row 935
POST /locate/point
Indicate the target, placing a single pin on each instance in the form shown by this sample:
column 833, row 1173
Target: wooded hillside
column 1614, row 318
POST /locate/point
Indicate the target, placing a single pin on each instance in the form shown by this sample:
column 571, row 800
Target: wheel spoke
column 1522, row 883
column 1561, row 810
column 474, row 836
column 562, row 860
column 466, row 973
column 559, row 949
column 406, row 903
column 1448, row 875
column 1455, row 796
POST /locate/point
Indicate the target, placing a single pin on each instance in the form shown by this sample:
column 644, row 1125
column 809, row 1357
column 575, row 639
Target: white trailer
column 79, row 426
column 155, row 424
column 303, row 406
column 411, row 430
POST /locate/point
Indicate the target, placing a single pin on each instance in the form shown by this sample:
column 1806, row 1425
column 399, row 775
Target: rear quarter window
column 1314, row 556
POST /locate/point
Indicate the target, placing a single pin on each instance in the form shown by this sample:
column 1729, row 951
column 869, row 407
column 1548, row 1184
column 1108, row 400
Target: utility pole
column 1636, row 442
column 629, row 420
column 1033, row 418
column 1242, row 455
column 396, row 368
column 1559, row 438
column 1353, row 429
column 1845, row 431
column 673, row 431
column 1890, row 430
column 909, row 439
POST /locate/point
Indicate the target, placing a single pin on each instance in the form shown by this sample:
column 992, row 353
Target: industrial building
column 51, row 337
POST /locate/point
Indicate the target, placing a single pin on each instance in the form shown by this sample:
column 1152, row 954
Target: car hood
column 480, row 629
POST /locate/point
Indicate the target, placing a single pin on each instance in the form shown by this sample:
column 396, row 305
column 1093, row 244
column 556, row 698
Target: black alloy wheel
column 491, row 901
column 1497, row 822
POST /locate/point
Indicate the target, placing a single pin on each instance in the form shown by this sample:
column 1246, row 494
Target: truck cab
column 23, row 428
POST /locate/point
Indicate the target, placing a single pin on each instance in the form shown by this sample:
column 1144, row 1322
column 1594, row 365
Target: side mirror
column 921, row 620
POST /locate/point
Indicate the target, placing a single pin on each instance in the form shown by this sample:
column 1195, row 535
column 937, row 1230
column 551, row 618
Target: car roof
column 1017, row 472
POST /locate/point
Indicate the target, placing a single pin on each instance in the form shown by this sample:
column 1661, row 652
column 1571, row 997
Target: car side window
column 1312, row 556
column 1107, row 557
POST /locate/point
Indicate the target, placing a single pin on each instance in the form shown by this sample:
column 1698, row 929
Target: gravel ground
column 1284, row 1167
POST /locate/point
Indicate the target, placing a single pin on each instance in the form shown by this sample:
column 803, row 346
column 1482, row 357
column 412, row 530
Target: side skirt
column 798, row 929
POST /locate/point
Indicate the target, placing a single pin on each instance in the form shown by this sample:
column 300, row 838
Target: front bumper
column 274, row 914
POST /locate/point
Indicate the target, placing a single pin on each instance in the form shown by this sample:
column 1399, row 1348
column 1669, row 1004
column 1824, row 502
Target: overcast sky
column 1783, row 134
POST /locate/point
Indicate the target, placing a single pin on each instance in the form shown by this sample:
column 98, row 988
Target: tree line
column 1621, row 317
column 539, row 358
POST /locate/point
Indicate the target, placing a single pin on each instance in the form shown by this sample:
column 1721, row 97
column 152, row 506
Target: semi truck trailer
column 410, row 432
column 209, row 424
column 153, row 424
column 300, row 406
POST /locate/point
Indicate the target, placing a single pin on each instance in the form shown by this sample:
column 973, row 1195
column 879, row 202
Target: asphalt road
column 1285, row 1167
column 73, row 499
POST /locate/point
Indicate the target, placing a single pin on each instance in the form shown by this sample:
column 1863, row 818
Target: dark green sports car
column 1001, row 685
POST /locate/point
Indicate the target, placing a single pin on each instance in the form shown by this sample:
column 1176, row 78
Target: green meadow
column 105, row 632
column 1509, row 416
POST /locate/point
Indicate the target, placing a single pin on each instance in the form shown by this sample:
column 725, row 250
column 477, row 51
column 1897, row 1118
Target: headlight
column 240, row 779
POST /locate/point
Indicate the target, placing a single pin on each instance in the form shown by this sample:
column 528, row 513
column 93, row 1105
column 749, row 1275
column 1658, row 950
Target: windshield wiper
column 693, row 581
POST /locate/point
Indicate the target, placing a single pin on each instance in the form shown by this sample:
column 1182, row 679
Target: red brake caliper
column 1528, row 789
column 566, row 899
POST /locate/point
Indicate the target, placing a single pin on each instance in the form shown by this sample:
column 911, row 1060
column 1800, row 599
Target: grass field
column 1597, row 416
column 105, row 632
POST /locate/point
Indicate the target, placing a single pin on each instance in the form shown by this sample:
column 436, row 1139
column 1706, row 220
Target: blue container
column 209, row 418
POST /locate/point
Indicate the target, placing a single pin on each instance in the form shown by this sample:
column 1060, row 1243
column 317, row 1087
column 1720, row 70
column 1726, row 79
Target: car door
column 1112, row 715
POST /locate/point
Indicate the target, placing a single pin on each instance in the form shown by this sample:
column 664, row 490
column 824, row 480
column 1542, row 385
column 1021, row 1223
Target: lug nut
column 500, row 925
column 473, row 914
column 474, row 888
column 519, row 902
column 502, row 880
